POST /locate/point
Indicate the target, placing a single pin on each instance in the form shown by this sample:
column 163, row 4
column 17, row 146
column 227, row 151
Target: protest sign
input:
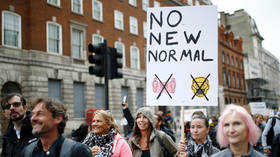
column 258, row 107
column 182, row 56
column 188, row 113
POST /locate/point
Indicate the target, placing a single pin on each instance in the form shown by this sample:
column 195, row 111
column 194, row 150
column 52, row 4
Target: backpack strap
column 273, row 122
column 160, row 141
column 29, row 149
column 67, row 147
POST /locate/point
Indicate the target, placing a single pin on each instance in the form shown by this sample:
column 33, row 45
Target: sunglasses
column 8, row 106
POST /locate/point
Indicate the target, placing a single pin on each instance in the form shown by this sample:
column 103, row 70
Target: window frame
column 51, row 3
column 81, row 7
column 97, row 35
column 145, row 5
column 19, row 42
column 60, row 38
column 82, row 43
column 156, row 4
column 145, row 30
column 118, row 15
column 101, row 10
column 132, row 3
column 123, row 52
column 133, row 22
column 132, row 59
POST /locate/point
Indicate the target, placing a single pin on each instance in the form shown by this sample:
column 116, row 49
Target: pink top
column 120, row 147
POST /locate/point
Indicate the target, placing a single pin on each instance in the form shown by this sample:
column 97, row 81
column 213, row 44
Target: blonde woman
column 105, row 139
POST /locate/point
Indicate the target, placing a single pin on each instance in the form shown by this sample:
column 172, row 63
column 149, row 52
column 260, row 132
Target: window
column 156, row 4
column 228, row 76
column 118, row 20
column 97, row 13
column 133, row 2
column 77, row 6
column 190, row 2
column 241, row 64
column 145, row 4
column 11, row 29
column 233, row 79
column 197, row 3
column 237, row 81
column 99, row 96
column 79, row 101
column 223, row 57
column 54, row 2
column 237, row 63
column 227, row 59
column 145, row 29
column 54, row 89
column 225, row 78
column 134, row 57
column 133, row 25
column 121, row 49
column 232, row 61
column 96, row 39
column 77, row 43
column 54, row 38
column 139, row 97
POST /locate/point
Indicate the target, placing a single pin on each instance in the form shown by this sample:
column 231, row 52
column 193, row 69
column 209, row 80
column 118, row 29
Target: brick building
column 232, row 87
column 43, row 51
column 260, row 66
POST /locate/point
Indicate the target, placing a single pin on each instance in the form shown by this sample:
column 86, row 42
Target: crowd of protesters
column 39, row 132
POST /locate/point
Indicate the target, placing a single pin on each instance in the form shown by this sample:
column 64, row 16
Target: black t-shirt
column 145, row 153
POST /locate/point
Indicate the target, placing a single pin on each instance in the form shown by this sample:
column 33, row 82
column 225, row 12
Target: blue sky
column 266, row 14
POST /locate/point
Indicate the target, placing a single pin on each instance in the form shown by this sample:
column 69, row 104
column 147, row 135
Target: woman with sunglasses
column 105, row 139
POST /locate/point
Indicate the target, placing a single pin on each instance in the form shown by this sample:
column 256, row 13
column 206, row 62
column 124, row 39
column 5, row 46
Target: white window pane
column 97, row 10
column 76, row 43
column 145, row 29
column 134, row 57
column 11, row 29
column 156, row 4
column 118, row 20
column 54, row 38
column 96, row 39
column 133, row 2
column 145, row 4
column 121, row 49
column 77, row 6
column 133, row 25
column 54, row 2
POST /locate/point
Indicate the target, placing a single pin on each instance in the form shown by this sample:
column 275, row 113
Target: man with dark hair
column 159, row 126
column 19, row 131
column 48, row 121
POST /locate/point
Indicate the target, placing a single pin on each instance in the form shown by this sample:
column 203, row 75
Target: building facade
column 232, row 87
column 43, row 51
column 257, row 61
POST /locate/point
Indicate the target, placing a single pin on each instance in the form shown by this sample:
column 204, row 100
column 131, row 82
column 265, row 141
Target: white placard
column 182, row 56
column 188, row 113
column 258, row 107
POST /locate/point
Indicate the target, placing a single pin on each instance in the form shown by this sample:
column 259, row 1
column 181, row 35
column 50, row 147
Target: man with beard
column 48, row 121
column 19, row 131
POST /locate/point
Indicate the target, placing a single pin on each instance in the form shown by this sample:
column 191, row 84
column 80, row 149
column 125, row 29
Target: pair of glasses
column 8, row 106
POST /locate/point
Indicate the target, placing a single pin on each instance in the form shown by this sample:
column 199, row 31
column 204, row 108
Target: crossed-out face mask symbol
column 164, row 87
column 200, row 86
